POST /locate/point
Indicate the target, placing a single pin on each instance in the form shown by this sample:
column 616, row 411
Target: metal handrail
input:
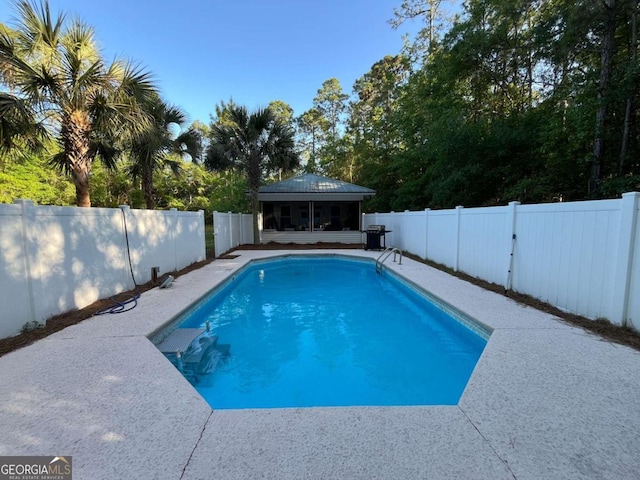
column 388, row 251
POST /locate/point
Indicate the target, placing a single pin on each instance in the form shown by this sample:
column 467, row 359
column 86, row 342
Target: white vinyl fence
column 231, row 230
column 56, row 259
column 582, row 257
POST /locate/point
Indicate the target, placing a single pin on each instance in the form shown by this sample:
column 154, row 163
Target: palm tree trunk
column 147, row 188
column 254, row 213
column 80, row 175
column 74, row 132
column 253, row 181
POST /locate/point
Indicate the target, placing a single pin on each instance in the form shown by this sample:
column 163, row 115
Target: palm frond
column 223, row 151
column 135, row 83
column 174, row 115
column 18, row 126
column 80, row 64
column 190, row 143
column 59, row 160
column 261, row 119
column 7, row 48
column 13, row 63
column 122, row 105
column 39, row 32
column 79, row 38
column 239, row 117
column 106, row 150
column 87, row 82
column 135, row 170
column 174, row 166
column 44, row 86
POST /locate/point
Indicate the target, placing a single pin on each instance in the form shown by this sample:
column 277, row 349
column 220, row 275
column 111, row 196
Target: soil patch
column 302, row 246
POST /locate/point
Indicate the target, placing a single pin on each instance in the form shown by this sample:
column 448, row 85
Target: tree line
column 501, row 100
column 529, row 100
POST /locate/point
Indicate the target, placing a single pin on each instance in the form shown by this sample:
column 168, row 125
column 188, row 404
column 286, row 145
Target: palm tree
column 256, row 144
column 57, row 70
column 152, row 148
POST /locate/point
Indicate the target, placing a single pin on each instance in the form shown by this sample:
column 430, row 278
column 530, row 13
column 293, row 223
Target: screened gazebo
column 312, row 208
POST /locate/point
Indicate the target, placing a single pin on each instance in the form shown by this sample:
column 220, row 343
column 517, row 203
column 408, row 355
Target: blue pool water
column 302, row 332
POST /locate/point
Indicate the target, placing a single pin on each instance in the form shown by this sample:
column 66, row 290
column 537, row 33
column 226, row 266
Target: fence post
column 405, row 227
column 174, row 235
column 230, row 223
column 426, row 233
column 392, row 227
column 31, row 258
column 626, row 240
column 215, row 231
column 203, row 231
column 456, row 262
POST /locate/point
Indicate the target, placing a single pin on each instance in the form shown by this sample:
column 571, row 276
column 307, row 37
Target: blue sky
column 256, row 51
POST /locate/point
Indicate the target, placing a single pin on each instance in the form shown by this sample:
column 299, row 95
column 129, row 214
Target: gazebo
column 311, row 208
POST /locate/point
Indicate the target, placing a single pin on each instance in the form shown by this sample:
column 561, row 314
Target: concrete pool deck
column 546, row 401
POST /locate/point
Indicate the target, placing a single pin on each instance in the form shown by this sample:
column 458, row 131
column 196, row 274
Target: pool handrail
column 386, row 254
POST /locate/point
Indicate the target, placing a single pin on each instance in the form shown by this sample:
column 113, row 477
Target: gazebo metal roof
column 313, row 187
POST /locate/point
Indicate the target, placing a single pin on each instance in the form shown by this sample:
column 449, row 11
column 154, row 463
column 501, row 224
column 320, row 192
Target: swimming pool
column 326, row 331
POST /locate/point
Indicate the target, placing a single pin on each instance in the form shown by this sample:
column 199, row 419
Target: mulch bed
column 301, row 246
column 603, row 328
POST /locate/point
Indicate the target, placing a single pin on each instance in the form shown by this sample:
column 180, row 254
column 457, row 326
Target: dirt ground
column 606, row 330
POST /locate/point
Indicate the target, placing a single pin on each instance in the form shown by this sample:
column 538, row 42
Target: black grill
column 375, row 237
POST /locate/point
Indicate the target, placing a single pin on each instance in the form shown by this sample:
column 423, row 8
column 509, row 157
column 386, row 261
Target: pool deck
column 546, row 401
